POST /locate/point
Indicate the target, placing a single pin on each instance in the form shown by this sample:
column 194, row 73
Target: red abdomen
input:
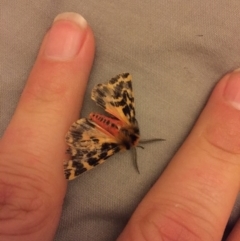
column 109, row 124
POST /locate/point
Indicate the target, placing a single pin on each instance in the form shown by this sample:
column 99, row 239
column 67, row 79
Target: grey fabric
column 176, row 52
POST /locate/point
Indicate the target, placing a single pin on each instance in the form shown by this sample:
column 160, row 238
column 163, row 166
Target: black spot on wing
column 129, row 112
column 116, row 78
column 107, row 150
column 120, row 76
column 85, row 160
column 125, row 75
column 118, row 103
column 101, row 151
column 117, row 92
column 78, row 165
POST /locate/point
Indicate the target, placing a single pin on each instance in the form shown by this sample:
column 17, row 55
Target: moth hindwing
column 92, row 140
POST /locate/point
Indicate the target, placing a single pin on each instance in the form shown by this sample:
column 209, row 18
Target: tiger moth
column 92, row 140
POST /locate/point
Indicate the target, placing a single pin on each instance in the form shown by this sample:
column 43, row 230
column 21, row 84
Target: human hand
column 193, row 198
column 32, row 150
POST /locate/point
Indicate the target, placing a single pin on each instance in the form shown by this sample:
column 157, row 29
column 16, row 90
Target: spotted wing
column 89, row 145
column 116, row 98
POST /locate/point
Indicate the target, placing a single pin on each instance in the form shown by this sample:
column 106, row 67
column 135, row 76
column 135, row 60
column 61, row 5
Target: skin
column 193, row 198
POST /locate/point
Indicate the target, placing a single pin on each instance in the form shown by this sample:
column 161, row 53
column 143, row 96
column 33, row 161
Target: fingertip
column 66, row 37
column 231, row 91
column 71, row 16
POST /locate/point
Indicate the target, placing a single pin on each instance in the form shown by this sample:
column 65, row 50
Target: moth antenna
column 134, row 151
column 151, row 140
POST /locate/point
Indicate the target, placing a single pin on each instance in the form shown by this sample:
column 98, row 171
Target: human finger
column 32, row 150
column 193, row 198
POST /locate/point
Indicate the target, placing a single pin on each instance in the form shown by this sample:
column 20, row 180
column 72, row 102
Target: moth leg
column 134, row 151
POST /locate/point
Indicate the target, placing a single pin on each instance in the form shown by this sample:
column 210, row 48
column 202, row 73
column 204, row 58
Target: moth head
column 129, row 136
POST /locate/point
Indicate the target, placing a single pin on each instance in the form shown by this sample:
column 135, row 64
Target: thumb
column 193, row 198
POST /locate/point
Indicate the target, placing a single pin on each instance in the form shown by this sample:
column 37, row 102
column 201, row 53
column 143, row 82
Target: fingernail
column 232, row 89
column 66, row 36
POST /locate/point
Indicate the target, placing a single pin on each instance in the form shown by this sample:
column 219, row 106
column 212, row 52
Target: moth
column 92, row 140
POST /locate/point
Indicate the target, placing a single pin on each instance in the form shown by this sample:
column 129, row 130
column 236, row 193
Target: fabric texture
column 176, row 52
